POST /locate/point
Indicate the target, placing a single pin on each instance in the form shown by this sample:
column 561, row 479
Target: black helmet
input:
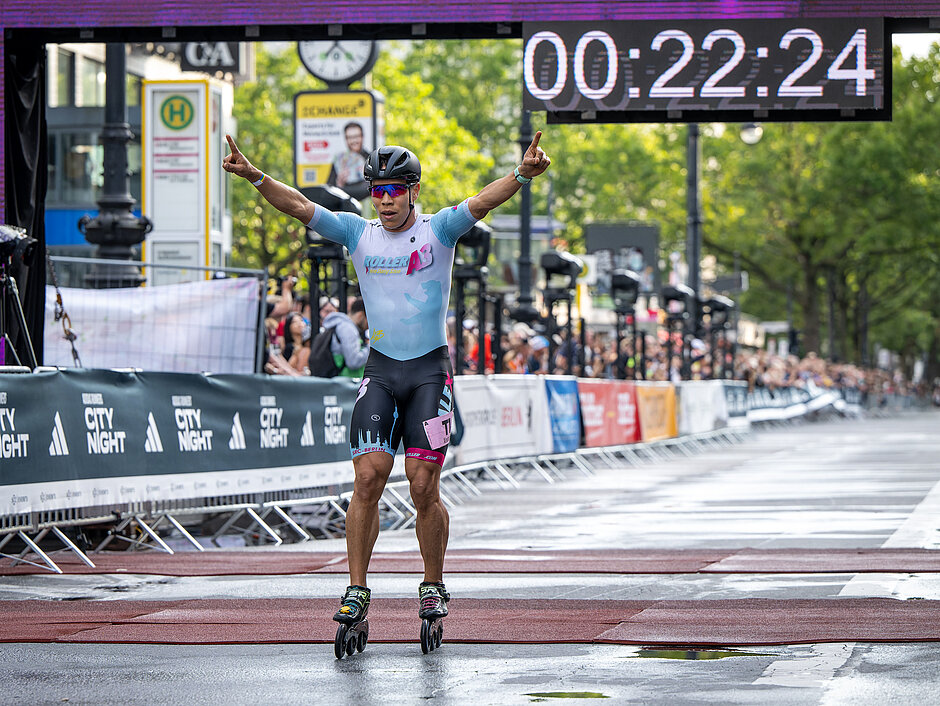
column 393, row 162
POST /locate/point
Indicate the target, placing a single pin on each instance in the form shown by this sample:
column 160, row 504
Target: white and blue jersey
column 404, row 276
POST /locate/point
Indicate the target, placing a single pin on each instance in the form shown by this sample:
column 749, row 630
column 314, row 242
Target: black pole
column 619, row 371
column 497, row 345
column 637, row 359
column 459, row 311
column 481, row 327
column 115, row 229
column 642, row 336
column 693, row 244
column 525, row 311
column 570, row 342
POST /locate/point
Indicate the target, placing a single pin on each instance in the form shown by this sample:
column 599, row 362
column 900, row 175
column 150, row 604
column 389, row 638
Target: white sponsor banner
column 503, row 416
column 109, row 492
column 702, row 406
column 193, row 327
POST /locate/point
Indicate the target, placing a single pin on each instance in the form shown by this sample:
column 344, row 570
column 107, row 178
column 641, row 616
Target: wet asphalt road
column 867, row 483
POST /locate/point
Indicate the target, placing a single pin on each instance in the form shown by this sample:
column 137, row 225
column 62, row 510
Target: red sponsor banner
column 608, row 412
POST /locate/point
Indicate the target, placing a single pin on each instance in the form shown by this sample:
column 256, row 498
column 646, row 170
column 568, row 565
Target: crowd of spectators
column 522, row 350
column 525, row 351
column 290, row 329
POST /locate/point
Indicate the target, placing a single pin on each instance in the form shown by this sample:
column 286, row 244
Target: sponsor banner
column 609, row 412
column 503, row 416
column 149, row 328
column 73, row 426
column 735, row 397
column 702, row 406
column 657, row 405
column 565, row 412
column 63, row 495
column 766, row 404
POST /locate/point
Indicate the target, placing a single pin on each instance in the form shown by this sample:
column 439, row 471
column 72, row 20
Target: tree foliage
column 817, row 213
column 262, row 237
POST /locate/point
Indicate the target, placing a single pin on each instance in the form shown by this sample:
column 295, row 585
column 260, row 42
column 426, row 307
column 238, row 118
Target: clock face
column 338, row 61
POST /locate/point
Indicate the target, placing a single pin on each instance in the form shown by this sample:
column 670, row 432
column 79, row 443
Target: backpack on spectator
column 321, row 362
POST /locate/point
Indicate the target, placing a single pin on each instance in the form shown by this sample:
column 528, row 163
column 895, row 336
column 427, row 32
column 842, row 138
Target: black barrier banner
column 762, row 397
column 736, row 397
column 160, row 436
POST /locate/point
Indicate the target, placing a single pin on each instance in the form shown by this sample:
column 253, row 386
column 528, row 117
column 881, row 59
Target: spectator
column 327, row 307
column 297, row 343
column 349, row 345
column 538, row 360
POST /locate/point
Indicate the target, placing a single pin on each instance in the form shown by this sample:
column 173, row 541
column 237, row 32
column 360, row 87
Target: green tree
column 267, row 239
column 262, row 237
column 840, row 212
column 453, row 166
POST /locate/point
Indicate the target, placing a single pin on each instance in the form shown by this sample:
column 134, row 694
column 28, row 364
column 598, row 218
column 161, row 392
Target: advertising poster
column 334, row 132
column 565, row 412
column 657, row 408
column 609, row 412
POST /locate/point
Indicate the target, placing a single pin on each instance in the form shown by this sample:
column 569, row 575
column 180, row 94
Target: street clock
column 338, row 62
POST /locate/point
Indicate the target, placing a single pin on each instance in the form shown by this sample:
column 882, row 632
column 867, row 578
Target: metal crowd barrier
column 307, row 514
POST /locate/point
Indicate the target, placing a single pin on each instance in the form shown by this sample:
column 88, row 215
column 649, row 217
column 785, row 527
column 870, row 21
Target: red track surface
column 685, row 623
column 627, row 561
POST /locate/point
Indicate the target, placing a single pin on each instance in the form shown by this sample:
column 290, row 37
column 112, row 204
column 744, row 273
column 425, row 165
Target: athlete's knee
column 424, row 483
column 371, row 477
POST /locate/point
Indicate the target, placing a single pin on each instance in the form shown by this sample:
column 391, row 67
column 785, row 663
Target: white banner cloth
column 192, row 327
column 702, row 406
column 504, row 416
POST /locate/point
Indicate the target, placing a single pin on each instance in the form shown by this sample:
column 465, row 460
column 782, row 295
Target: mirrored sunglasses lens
column 394, row 190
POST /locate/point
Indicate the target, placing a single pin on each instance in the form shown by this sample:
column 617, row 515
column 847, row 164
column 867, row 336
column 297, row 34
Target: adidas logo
column 153, row 443
column 306, row 436
column 58, row 447
column 237, row 442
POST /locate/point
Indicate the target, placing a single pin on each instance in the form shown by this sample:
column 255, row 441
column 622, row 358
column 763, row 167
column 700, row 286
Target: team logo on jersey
column 420, row 259
column 405, row 264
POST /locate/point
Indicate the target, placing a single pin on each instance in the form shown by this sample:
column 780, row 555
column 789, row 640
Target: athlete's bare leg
column 433, row 523
column 362, row 515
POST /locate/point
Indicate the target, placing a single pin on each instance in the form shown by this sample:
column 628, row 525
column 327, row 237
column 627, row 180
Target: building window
column 76, row 169
column 63, row 90
column 91, row 82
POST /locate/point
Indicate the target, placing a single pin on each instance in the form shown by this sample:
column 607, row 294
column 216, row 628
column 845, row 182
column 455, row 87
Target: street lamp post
column 525, row 311
column 693, row 238
column 115, row 229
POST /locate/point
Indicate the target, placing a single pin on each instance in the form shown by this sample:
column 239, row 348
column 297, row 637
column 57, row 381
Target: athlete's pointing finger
column 533, row 148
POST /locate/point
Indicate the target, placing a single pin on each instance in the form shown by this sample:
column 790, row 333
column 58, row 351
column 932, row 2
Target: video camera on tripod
column 16, row 246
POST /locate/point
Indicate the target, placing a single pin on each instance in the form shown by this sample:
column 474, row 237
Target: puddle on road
column 653, row 653
column 545, row 695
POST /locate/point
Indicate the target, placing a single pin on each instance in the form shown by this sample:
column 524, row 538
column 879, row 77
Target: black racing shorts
column 410, row 401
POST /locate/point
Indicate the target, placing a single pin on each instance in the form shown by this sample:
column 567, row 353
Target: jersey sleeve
column 450, row 223
column 343, row 228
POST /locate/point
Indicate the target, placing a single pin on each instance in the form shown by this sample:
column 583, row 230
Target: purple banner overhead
column 176, row 13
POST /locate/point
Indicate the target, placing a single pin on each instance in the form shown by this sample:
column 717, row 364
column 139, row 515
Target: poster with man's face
column 334, row 133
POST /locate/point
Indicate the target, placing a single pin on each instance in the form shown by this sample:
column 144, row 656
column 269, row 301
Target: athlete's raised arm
column 496, row 193
column 283, row 197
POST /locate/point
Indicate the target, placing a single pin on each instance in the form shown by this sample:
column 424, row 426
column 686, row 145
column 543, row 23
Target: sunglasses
column 393, row 190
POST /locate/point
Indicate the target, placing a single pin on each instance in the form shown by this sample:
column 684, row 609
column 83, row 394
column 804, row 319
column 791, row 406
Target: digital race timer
column 690, row 70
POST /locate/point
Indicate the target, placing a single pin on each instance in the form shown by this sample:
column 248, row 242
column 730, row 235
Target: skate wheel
column 439, row 635
column 339, row 644
column 361, row 642
column 427, row 640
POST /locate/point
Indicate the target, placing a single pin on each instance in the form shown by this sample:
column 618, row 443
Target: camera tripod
column 9, row 291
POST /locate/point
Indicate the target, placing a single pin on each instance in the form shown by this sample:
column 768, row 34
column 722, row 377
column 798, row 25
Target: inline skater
column 404, row 262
